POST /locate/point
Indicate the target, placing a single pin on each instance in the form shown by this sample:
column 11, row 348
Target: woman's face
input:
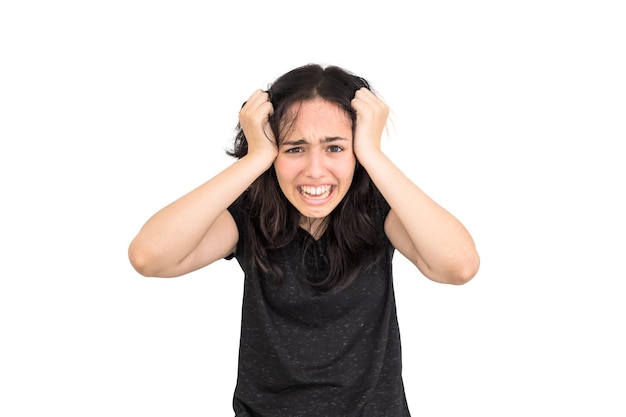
column 316, row 162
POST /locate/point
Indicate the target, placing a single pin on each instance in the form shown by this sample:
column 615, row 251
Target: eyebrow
column 298, row 142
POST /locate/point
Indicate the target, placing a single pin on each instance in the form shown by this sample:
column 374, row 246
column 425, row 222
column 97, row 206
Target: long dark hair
column 352, row 240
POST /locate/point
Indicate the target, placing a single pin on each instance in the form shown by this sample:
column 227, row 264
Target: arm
column 423, row 231
column 197, row 229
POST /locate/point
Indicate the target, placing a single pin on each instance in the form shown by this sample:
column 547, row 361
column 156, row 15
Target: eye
column 335, row 148
column 297, row 149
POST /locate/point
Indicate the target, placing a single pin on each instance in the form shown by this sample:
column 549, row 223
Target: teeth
column 319, row 191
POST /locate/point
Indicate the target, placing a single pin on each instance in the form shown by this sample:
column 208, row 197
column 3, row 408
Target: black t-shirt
column 307, row 354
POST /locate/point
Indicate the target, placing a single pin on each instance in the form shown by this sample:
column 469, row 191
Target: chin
column 318, row 212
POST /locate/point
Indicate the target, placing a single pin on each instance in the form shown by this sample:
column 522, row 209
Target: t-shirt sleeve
column 236, row 209
column 381, row 209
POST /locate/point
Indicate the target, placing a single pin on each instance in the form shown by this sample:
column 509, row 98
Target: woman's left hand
column 371, row 119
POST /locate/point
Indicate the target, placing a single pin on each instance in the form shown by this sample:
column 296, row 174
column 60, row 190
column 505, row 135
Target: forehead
column 318, row 115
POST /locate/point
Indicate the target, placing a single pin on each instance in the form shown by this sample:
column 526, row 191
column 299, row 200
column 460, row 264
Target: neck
column 315, row 226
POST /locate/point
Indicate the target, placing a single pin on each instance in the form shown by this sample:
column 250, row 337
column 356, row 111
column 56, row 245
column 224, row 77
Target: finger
column 368, row 97
column 256, row 98
column 367, row 102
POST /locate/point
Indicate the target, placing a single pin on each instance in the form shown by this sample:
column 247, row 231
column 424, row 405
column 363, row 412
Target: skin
column 197, row 229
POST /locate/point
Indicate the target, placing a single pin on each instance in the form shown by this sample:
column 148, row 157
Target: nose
column 314, row 165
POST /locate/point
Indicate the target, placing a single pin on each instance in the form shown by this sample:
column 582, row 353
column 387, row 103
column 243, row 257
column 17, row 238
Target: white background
column 510, row 114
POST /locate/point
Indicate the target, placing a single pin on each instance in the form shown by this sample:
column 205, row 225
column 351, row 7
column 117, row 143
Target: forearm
column 441, row 243
column 175, row 231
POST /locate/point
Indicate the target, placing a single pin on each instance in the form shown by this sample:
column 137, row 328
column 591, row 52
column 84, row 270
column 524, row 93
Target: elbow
column 458, row 270
column 464, row 269
column 138, row 261
column 142, row 260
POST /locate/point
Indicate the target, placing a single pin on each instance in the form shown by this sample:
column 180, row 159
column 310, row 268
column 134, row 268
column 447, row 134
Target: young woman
column 313, row 211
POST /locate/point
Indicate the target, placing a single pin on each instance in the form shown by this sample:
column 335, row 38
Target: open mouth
column 318, row 192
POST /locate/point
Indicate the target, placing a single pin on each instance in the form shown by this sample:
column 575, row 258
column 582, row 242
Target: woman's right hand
column 254, row 121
